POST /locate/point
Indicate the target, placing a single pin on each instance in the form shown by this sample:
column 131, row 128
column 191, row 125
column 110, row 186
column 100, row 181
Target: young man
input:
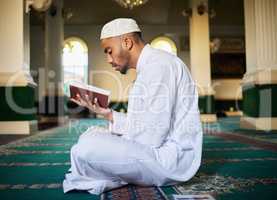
column 160, row 140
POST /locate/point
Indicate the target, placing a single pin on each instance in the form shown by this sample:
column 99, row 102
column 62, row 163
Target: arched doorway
column 164, row 43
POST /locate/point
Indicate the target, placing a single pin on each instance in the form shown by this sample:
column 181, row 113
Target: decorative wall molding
column 18, row 127
column 261, row 77
column 18, row 78
column 264, row 124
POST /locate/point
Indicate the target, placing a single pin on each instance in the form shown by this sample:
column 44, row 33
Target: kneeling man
column 159, row 141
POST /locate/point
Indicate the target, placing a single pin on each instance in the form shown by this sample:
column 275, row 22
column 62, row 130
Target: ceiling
column 154, row 12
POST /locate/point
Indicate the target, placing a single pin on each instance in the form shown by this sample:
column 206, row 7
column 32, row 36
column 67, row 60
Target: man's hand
column 94, row 107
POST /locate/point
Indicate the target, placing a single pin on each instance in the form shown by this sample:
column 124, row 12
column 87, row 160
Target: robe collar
column 142, row 60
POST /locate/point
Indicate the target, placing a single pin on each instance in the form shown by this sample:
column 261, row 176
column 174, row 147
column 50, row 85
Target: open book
column 103, row 96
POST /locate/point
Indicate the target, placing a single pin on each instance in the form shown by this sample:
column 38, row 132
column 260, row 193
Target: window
column 164, row 43
column 75, row 60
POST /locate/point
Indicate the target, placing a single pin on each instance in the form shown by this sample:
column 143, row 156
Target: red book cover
column 92, row 92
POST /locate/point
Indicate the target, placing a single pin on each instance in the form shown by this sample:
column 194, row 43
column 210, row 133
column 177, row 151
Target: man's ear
column 127, row 43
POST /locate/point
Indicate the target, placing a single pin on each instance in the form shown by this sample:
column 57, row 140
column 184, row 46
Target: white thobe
column 161, row 134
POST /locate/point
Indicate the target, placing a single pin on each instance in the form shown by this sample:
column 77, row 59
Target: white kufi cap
column 118, row 27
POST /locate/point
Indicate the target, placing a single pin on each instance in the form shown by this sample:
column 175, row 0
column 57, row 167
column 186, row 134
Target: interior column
column 52, row 103
column 260, row 81
column 17, row 98
column 200, row 59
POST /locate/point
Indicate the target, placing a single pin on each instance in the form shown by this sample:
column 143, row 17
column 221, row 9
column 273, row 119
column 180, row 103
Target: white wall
column 227, row 89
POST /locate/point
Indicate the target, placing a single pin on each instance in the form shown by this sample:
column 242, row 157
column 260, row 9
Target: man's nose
column 109, row 59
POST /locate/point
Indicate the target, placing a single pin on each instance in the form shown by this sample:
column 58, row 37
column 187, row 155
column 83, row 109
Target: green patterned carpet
column 34, row 168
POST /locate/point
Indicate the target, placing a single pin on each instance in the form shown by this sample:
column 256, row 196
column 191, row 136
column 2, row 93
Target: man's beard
column 124, row 69
column 124, row 56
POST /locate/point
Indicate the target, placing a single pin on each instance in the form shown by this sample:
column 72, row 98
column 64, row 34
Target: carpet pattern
column 135, row 192
column 34, row 168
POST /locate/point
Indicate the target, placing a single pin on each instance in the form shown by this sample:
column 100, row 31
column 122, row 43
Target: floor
column 232, row 167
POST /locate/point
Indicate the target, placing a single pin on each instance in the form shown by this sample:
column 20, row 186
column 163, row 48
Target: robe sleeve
column 150, row 105
column 118, row 126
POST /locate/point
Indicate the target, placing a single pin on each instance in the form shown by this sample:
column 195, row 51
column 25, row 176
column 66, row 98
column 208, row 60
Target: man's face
column 117, row 56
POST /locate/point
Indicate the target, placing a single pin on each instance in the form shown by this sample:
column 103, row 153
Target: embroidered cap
column 118, row 27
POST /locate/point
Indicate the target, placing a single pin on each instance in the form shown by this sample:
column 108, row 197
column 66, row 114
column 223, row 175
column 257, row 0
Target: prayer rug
column 135, row 192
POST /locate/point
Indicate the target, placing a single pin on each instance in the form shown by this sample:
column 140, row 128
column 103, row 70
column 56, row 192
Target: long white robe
column 161, row 134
